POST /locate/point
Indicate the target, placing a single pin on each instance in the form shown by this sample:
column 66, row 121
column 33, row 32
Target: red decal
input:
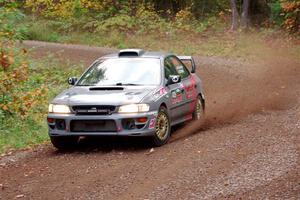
column 191, row 93
column 162, row 91
column 152, row 123
column 194, row 94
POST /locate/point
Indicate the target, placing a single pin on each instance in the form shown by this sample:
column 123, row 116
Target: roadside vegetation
column 26, row 85
column 202, row 27
column 185, row 27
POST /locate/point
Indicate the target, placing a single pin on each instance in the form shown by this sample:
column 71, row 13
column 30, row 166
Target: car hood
column 81, row 95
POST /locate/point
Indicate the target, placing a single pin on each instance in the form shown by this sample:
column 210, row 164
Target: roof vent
column 130, row 52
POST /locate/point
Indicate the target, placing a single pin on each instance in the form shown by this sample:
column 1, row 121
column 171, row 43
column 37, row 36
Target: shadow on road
column 105, row 144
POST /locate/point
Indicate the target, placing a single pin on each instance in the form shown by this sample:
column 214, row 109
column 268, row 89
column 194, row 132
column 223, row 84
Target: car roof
column 137, row 53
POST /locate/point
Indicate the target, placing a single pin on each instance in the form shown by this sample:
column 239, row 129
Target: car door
column 188, row 88
column 176, row 93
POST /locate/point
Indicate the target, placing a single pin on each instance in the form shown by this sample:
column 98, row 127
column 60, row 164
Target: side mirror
column 172, row 79
column 72, row 80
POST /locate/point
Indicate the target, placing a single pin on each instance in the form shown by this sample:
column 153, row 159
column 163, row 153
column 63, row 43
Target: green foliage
column 276, row 12
column 286, row 13
column 9, row 16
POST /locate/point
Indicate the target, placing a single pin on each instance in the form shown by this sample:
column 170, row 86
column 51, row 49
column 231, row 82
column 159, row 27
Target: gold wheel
column 162, row 126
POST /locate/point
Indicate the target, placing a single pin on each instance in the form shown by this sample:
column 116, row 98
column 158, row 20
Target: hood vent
column 105, row 88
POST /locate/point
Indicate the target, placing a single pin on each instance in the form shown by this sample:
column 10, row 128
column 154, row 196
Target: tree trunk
column 245, row 14
column 235, row 15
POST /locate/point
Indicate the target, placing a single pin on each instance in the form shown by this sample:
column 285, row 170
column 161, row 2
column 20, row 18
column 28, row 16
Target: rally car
column 129, row 93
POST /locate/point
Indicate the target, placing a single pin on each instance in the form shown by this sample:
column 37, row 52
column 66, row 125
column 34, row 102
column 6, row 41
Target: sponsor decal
column 93, row 110
column 161, row 92
column 176, row 97
column 152, row 123
column 181, row 85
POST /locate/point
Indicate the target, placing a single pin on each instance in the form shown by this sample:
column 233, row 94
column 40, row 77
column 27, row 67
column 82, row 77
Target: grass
column 16, row 132
column 24, row 133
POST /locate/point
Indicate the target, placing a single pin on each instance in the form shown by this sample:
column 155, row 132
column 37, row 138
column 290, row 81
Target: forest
column 125, row 14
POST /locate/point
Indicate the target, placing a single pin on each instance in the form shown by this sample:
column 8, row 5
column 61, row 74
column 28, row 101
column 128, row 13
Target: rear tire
column 162, row 128
column 199, row 109
column 64, row 142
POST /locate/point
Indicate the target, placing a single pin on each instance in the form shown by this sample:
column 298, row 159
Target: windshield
column 123, row 71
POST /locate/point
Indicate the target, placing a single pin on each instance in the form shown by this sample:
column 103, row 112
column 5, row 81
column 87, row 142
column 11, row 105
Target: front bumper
column 147, row 130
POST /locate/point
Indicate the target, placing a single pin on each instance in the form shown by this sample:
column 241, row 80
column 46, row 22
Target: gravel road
column 247, row 147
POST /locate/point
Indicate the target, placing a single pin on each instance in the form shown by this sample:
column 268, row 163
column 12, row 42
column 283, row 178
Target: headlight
column 134, row 108
column 54, row 108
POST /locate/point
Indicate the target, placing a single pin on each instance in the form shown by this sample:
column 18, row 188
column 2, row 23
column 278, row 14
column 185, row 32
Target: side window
column 169, row 68
column 180, row 68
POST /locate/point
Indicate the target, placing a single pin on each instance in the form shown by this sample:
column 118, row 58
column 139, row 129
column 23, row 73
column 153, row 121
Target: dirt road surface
column 247, row 147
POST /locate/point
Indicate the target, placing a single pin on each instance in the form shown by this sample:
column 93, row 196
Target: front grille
column 94, row 110
column 93, row 126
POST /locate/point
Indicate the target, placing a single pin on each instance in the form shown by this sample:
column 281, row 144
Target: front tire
column 64, row 142
column 162, row 128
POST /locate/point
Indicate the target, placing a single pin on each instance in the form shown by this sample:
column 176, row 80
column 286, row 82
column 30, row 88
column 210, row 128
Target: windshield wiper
column 126, row 84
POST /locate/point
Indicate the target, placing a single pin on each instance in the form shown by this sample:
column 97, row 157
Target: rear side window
column 169, row 68
column 179, row 67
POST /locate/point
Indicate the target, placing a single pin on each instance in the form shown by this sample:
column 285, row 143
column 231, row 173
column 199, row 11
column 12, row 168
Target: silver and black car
column 130, row 93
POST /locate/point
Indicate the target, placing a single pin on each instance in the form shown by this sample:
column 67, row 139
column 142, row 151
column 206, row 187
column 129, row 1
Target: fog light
column 128, row 124
column 142, row 120
column 60, row 124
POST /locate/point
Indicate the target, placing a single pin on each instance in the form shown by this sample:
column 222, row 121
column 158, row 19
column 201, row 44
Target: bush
column 291, row 13
column 276, row 13
column 17, row 93
column 286, row 13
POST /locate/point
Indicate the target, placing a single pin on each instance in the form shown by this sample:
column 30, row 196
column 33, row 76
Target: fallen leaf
column 151, row 150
